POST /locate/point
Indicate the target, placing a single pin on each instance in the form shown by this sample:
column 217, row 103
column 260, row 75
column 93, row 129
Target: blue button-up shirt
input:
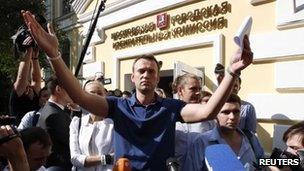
column 248, row 117
column 195, row 158
column 145, row 134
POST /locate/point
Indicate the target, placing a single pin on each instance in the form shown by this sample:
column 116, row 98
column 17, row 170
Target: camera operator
column 24, row 95
column 12, row 149
column 294, row 139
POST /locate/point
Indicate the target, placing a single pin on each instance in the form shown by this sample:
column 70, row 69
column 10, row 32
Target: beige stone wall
column 259, row 78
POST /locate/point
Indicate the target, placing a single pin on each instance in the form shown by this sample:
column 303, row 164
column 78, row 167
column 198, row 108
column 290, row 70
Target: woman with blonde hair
column 91, row 137
column 188, row 89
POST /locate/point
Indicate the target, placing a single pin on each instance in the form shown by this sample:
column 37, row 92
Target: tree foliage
column 11, row 20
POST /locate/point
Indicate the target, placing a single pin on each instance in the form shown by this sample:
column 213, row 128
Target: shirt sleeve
column 251, row 121
column 258, row 149
column 77, row 158
column 112, row 103
column 26, row 121
column 176, row 106
column 195, row 156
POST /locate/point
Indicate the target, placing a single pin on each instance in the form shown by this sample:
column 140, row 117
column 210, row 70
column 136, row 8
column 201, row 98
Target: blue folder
column 220, row 157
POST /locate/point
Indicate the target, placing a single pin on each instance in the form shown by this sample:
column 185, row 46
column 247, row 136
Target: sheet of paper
column 243, row 30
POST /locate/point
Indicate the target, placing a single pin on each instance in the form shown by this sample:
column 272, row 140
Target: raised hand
column 241, row 59
column 47, row 41
column 10, row 143
column 11, row 148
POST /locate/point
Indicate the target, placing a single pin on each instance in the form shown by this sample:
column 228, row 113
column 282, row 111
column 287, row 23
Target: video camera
column 7, row 120
column 282, row 154
column 24, row 34
column 100, row 77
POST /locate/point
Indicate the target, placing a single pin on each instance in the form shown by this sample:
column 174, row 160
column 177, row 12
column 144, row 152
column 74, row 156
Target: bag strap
column 35, row 118
column 249, row 136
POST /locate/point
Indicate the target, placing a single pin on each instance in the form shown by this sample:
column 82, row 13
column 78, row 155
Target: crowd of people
column 66, row 126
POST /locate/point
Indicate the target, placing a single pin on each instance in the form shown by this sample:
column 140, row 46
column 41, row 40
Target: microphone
column 172, row 164
column 122, row 164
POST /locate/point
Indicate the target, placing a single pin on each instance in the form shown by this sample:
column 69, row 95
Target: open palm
column 47, row 41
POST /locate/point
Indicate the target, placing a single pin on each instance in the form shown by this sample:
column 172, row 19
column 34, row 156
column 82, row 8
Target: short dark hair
column 219, row 69
column 148, row 57
column 32, row 135
column 234, row 98
column 51, row 84
column 127, row 93
column 293, row 130
column 41, row 90
column 205, row 93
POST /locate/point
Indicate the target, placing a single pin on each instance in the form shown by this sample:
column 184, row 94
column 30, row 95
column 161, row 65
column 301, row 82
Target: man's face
column 37, row 155
column 190, row 92
column 63, row 95
column 145, row 75
column 44, row 96
column 229, row 116
column 236, row 87
column 219, row 78
column 294, row 143
column 29, row 91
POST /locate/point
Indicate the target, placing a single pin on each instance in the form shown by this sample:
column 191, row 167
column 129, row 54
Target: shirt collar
column 59, row 105
column 134, row 100
column 215, row 135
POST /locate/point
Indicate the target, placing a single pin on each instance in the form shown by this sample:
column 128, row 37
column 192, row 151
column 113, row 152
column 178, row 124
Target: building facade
column 195, row 35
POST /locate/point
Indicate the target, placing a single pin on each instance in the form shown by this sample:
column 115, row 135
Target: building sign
column 167, row 27
column 162, row 21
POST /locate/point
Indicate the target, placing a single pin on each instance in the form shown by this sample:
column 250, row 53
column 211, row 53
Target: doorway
column 166, row 79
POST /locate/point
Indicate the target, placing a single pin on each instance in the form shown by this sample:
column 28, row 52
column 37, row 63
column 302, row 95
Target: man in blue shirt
column 248, row 119
column 226, row 132
column 145, row 124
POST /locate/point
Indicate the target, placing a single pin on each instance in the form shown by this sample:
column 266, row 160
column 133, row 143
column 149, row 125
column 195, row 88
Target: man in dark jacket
column 56, row 121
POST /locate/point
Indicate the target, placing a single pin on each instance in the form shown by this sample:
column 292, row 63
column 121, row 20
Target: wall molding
column 278, row 106
column 135, row 9
column 289, row 75
column 289, row 14
column 278, row 45
column 167, row 46
column 258, row 2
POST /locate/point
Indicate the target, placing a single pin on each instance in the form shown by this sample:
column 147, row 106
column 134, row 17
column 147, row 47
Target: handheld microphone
column 122, row 164
column 172, row 164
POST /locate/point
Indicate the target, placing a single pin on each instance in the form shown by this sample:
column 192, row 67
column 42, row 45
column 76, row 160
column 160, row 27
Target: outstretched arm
column 47, row 41
column 198, row 112
column 36, row 74
column 23, row 71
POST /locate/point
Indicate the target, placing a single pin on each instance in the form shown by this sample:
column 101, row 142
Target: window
column 66, row 7
column 65, row 47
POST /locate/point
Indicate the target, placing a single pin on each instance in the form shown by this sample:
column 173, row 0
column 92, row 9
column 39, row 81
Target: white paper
column 243, row 30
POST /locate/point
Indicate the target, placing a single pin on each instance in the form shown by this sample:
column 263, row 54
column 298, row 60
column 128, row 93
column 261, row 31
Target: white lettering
column 278, row 162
